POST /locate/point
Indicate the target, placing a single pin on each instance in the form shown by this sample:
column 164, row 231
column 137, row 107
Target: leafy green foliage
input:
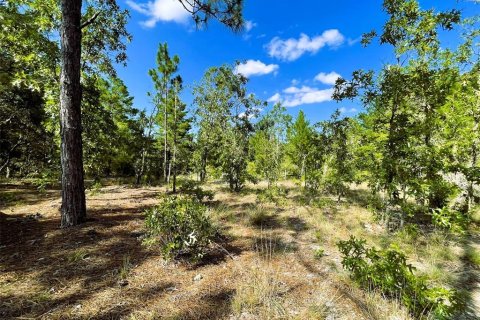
column 299, row 144
column 388, row 271
column 449, row 219
column 319, row 253
column 228, row 12
column 223, row 113
column 268, row 144
column 174, row 139
column 336, row 135
column 275, row 195
column 182, row 226
column 405, row 137
column 192, row 188
column 44, row 180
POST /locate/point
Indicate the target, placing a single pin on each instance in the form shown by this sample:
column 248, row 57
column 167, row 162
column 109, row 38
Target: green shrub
column 450, row 220
column 95, row 188
column 182, row 226
column 322, row 202
column 319, row 253
column 388, row 271
column 409, row 233
column 274, row 194
column 192, row 188
column 45, row 180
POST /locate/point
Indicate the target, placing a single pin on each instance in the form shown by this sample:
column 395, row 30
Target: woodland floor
column 101, row 270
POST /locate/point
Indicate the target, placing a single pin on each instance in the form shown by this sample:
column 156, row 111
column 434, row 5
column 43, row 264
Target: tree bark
column 165, row 137
column 73, row 210
column 175, row 144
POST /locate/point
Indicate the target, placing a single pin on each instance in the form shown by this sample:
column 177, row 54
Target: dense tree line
column 416, row 143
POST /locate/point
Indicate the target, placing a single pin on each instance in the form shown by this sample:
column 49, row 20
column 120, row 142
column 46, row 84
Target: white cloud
column 327, row 78
column 303, row 89
column 292, row 49
column 345, row 110
column 294, row 96
column 249, row 25
column 275, row 98
column 351, row 42
column 160, row 10
column 255, row 68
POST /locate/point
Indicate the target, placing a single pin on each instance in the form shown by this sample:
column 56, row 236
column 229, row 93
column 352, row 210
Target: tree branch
column 90, row 21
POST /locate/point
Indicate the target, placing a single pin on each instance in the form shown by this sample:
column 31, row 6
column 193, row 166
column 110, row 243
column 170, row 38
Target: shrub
column 95, row 188
column 388, row 271
column 319, row 253
column 450, row 220
column 192, row 188
column 43, row 181
column 274, row 194
column 182, row 226
column 321, row 202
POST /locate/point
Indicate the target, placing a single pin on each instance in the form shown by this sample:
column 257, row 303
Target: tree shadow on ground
column 88, row 256
column 63, row 269
column 213, row 305
column 468, row 281
column 11, row 195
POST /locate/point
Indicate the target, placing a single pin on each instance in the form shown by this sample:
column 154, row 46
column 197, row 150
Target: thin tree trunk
column 203, row 166
column 174, row 159
column 142, row 168
column 303, row 172
column 169, row 174
column 73, row 210
column 474, row 151
column 165, row 135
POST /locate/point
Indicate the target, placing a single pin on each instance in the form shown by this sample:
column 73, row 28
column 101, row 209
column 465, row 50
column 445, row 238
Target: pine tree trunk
column 175, row 145
column 165, row 137
column 73, row 210
column 303, row 172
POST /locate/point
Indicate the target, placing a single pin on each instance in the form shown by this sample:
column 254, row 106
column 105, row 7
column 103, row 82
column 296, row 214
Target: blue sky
column 292, row 50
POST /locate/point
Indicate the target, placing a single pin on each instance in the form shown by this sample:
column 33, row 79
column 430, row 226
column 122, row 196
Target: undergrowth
column 387, row 270
column 181, row 225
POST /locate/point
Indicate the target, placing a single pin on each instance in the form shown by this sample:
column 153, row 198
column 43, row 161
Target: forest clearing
column 232, row 159
column 277, row 260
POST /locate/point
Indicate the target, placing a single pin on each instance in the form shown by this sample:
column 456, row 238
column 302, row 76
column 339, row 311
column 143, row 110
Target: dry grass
column 259, row 294
column 266, row 268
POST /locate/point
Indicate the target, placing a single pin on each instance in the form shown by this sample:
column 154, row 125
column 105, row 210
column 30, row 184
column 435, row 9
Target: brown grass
column 264, row 270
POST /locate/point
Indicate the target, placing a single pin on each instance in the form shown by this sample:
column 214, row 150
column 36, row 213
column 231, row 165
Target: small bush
column 319, row 253
column 450, row 220
column 275, row 195
column 321, row 202
column 388, row 271
column 43, row 181
column 192, row 188
column 409, row 233
column 95, row 188
column 182, row 226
